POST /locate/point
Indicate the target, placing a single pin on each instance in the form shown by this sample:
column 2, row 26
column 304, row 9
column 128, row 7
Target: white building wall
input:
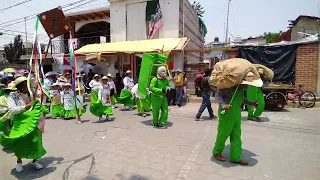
column 79, row 24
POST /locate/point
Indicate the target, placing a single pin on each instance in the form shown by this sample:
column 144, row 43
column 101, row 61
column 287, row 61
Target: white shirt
column 112, row 86
column 56, row 97
column 134, row 91
column 172, row 81
column 47, row 83
column 128, row 83
column 67, row 99
column 80, row 101
column 94, row 85
column 104, row 94
column 17, row 102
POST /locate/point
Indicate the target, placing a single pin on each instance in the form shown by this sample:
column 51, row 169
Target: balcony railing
column 62, row 46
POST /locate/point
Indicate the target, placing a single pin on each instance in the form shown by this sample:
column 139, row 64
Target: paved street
column 284, row 147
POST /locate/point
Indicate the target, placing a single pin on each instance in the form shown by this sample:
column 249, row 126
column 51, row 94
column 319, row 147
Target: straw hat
column 54, row 84
column 67, row 84
column 11, row 86
column 249, row 80
column 67, row 73
column 96, row 75
column 79, row 76
column 109, row 75
column 128, row 71
column 105, row 78
column 19, row 80
column 178, row 70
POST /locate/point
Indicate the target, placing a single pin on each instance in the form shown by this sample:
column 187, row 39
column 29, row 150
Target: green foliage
column 198, row 8
column 271, row 37
column 13, row 51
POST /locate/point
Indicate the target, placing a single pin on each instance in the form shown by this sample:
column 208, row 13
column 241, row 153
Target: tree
column 13, row 51
column 198, row 8
column 271, row 37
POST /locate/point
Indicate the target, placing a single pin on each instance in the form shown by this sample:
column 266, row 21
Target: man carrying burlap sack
column 231, row 77
column 256, row 94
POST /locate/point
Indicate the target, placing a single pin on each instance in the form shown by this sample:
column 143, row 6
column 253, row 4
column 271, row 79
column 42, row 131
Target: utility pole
column 227, row 25
column 25, row 30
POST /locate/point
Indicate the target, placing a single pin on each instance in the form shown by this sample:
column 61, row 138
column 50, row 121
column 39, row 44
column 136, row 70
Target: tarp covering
column 155, row 45
column 281, row 59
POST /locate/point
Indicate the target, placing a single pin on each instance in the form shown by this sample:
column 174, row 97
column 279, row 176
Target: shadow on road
column 132, row 177
column 262, row 119
column 246, row 155
column 105, row 121
column 150, row 123
column 31, row 173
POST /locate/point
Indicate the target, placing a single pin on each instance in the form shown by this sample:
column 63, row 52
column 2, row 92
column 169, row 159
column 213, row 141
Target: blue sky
column 247, row 17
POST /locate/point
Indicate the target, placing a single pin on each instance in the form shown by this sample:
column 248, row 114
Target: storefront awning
column 165, row 45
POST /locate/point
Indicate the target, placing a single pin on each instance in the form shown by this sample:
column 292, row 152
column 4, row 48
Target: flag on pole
column 153, row 17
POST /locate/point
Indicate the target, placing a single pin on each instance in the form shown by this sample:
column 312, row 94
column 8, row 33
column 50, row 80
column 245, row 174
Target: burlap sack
column 231, row 72
column 267, row 72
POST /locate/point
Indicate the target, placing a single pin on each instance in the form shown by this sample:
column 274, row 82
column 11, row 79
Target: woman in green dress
column 25, row 138
column 67, row 99
column 126, row 97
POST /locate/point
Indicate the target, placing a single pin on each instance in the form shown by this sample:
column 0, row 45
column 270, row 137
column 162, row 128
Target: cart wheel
column 307, row 99
column 275, row 101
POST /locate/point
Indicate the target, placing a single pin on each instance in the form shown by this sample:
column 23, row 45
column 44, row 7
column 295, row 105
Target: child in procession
column 113, row 90
column 67, row 99
column 56, row 106
column 104, row 97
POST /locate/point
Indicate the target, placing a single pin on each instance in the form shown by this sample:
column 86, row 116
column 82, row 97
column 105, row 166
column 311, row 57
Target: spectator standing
column 179, row 87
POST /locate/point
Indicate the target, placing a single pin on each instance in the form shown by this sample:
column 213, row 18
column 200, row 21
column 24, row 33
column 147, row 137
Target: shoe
column 19, row 167
column 212, row 117
column 79, row 122
column 242, row 162
column 107, row 118
column 144, row 115
column 100, row 119
column 162, row 126
column 219, row 157
column 37, row 165
column 199, row 119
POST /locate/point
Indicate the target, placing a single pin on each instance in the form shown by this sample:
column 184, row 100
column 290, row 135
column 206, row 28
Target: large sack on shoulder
column 231, row 72
column 265, row 72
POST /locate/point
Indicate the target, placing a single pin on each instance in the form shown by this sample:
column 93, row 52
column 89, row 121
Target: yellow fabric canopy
column 154, row 45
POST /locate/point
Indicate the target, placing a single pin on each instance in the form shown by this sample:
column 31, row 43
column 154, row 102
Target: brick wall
column 307, row 66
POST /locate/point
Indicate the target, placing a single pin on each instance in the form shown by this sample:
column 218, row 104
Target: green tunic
column 255, row 94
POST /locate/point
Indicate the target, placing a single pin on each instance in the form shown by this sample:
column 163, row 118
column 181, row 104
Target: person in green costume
column 256, row 94
column 159, row 86
column 229, row 112
column 105, row 104
column 126, row 97
column 5, row 115
column 25, row 138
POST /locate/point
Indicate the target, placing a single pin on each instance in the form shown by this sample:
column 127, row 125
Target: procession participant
column 5, row 115
column 81, row 108
column 56, row 106
column 94, row 85
column 256, row 94
column 143, row 105
column 172, row 94
column 67, row 99
column 61, row 80
column 2, row 89
column 104, row 98
column 206, row 89
column 25, row 138
column 159, row 86
column 26, row 73
column 79, row 79
column 68, row 77
column 231, row 77
column 126, row 97
column 44, row 107
column 179, row 86
column 113, row 90
column 10, row 78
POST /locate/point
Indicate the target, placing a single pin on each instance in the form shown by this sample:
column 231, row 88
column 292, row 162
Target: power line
column 18, row 4
column 80, row 5
column 19, row 20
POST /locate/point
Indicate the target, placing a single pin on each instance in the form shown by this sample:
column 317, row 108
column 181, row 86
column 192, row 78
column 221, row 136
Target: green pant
column 230, row 126
column 255, row 94
column 159, row 104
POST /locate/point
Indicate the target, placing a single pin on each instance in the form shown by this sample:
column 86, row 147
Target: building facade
column 125, row 20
